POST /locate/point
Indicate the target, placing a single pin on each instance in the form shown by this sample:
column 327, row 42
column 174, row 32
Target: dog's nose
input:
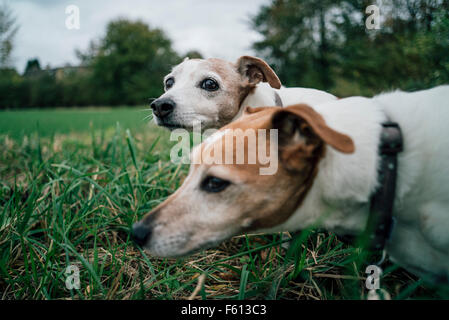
column 162, row 107
column 140, row 233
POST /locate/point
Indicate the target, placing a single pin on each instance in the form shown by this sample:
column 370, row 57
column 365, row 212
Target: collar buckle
column 391, row 139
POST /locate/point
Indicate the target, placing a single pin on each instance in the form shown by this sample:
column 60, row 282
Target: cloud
column 215, row 28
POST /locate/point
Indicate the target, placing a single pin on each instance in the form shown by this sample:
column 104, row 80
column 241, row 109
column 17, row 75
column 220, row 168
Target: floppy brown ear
column 257, row 70
column 303, row 130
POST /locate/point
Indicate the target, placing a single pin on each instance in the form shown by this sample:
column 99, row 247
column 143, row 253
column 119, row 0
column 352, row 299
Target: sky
column 216, row 28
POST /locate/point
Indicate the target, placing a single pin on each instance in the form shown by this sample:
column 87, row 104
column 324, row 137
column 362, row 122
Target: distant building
column 33, row 69
column 63, row 72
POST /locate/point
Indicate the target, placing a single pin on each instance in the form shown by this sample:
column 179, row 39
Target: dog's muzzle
column 140, row 233
column 163, row 107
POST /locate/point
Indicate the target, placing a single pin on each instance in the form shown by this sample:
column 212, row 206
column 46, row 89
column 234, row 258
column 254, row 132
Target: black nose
column 162, row 107
column 140, row 233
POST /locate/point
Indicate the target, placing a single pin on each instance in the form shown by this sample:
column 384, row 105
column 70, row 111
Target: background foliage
column 319, row 44
column 124, row 67
column 325, row 44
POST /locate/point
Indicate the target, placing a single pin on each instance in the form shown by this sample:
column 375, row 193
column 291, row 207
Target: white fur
column 194, row 105
column 263, row 96
column 339, row 197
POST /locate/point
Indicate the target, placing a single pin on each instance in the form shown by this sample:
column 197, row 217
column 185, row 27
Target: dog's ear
column 302, row 133
column 257, row 70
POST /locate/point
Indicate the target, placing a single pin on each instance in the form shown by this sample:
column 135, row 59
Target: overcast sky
column 216, row 28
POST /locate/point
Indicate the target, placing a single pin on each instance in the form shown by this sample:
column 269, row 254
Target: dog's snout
column 140, row 233
column 163, row 107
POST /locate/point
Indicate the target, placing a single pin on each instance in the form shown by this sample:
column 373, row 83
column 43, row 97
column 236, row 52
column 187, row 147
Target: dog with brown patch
column 328, row 169
column 211, row 92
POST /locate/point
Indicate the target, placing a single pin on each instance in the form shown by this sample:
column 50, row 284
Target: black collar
column 381, row 221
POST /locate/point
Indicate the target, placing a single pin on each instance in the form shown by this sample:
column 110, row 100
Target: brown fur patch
column 311, row 118
column 287, row 189
column 193, row 215
column 236, row 89
column 257, row 70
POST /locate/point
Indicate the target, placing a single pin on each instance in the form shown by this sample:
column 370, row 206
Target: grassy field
column 70, row 192
column 17, row 124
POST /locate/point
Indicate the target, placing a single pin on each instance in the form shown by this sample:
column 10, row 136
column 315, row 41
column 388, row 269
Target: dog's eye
column 214, row 184
column 209, row 84
column 169, row 83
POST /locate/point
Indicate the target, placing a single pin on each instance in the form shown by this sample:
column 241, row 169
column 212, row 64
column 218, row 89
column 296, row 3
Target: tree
column 405, row 53
column 128, row 64
column 8, row 30
column 326, row 44
column 296, row 40
column 125, row 67
column 193, row 54
column 33, row 66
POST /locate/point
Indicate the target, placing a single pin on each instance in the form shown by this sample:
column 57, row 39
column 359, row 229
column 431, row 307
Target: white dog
column 328, row 170
column 213, row 92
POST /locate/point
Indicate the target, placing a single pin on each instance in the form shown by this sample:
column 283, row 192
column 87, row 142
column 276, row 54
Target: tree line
column 125, row 67
column 326, row 44
column 319, row 44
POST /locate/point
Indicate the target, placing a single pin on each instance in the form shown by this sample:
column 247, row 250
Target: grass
column 69, row 194
column 19, row 123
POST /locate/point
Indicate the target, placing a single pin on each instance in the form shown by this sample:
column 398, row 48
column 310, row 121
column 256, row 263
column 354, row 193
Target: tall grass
column 71, row 199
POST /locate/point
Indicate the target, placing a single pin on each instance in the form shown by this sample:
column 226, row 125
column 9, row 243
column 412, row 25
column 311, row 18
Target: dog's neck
column 339, row 197
column 261, row 96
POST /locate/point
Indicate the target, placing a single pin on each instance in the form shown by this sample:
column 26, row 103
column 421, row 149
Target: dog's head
column 209, row 92
column 218, row 201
